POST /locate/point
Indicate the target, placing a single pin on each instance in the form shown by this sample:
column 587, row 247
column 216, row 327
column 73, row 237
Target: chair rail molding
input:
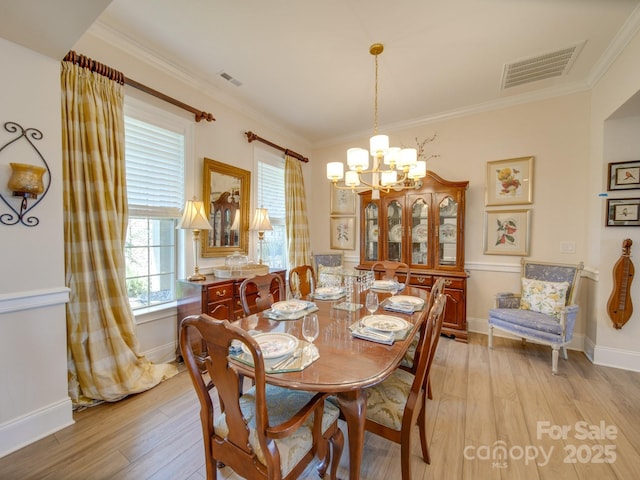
column 16, row 301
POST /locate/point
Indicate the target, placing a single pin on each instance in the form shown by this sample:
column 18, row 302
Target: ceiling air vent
column 537, row 68
column 229, row 78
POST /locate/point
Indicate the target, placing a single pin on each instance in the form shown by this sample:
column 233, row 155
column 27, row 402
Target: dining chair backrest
column 302, row 280
column 429, row 342
column 391, row 269
column 242, row 433
column 396, row 405
column 260, row 292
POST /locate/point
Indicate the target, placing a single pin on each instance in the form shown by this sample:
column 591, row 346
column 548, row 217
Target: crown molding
column 154, row 59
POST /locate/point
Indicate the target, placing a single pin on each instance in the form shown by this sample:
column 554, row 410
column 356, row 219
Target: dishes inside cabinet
column 395, row 234
column 373, row 233
column 447, row 233
column 420, row 233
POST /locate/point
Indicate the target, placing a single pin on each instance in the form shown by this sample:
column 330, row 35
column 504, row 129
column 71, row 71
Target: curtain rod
column 116, row 76
column 252, row 136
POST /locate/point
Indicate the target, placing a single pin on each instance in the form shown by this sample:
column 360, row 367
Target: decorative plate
column 420, row 233
column 274, row 344
column 373, row 233
column 405, row 300
column 385, row 323
column 395, row 234
column 290, row 306
column 447, row 233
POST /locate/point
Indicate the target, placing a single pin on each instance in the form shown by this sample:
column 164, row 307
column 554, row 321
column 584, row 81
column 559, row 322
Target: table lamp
column 261, row 223
column 194, row 218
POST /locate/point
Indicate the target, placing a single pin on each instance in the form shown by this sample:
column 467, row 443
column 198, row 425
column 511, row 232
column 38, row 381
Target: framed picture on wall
column 624, row 175
column 506, row 232
column 343, row 233
column 509, row 182
column 343, row 202
column 623, row 212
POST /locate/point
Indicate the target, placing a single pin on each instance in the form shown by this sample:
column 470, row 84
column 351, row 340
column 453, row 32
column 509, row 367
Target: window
column 270, row 195
column 155, row 154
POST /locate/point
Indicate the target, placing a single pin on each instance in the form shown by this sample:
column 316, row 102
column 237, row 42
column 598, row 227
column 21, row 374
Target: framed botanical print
column 509, row 182
column 623, row 212
column 506, row 232
column 343, row 233
column 343, row 202
column 624, row 175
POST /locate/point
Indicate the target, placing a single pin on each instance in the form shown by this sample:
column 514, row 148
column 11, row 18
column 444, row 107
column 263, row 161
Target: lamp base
column 197, row 277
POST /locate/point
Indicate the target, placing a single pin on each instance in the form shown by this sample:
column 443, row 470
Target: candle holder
column 26, row 181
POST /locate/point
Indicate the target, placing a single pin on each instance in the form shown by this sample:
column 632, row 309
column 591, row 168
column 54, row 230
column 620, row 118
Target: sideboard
column 207, row 295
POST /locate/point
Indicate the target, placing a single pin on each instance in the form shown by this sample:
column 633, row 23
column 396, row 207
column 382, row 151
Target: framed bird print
column 624, row 175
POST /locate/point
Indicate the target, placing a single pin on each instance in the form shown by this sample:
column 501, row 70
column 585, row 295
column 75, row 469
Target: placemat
column 304, row 358
column 399, row 335
column 350, row 307
column 391, row 307
column 273, row 315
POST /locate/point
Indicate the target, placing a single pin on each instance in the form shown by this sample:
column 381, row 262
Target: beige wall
column 614, row 140
column 33, row 353
column 565, row 134
column 554, row 131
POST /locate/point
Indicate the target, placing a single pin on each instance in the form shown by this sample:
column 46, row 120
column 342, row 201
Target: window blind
column 155, row 170
column 271, row 191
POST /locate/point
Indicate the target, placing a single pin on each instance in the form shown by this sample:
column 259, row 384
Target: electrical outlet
column 567, row 247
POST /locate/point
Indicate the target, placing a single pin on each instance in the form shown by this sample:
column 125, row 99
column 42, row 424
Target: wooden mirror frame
column 211, row 168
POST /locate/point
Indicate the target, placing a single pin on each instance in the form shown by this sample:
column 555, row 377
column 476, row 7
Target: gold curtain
column 299, row 247
column 103, row 358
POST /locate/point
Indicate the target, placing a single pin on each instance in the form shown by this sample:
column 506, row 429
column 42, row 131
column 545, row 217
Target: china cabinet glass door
column 419, row 232
column 370, row 232
column 395, row 231
column 447, row 231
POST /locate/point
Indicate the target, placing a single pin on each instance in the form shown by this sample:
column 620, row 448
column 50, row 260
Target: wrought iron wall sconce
column 27, row 181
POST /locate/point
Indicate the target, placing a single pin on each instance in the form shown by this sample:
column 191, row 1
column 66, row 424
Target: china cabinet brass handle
column 221, row 293
column 421, row 279
column 447, row 282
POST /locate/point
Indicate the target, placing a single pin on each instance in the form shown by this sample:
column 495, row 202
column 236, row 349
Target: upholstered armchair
column 544, row 311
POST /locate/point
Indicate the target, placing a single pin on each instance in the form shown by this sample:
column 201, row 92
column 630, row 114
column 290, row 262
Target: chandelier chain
column 375, row 105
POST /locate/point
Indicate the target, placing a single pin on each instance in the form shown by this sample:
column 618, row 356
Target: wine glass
column 371, row 302
column 395, row 286
column 310, row 329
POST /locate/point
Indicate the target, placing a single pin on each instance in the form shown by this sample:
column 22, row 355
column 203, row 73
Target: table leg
column 354, row 408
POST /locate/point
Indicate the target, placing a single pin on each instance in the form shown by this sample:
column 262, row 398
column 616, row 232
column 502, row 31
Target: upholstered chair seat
column 544, row 311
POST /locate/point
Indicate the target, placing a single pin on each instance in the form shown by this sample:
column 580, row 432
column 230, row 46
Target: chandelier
column 402, row 169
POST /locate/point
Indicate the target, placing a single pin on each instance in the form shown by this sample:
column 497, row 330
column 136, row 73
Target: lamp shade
column 261, row 221
column 236, row 222
column 194, row 217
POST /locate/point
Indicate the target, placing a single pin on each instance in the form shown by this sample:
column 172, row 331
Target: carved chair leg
column 564, row 352
column 337, row 444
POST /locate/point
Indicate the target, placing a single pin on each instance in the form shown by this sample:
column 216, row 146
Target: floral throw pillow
column 543, row 297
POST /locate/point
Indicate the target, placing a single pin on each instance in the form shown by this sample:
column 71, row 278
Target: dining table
column 346, row 365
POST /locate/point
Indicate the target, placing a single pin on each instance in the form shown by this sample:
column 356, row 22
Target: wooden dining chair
column 395, row 405
column 409, row 363
column 391, row 269
column 260, row 292
column 267, row 432
column 302, row 281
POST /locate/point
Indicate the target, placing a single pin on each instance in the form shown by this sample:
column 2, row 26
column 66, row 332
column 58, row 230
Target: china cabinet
column 423, row 228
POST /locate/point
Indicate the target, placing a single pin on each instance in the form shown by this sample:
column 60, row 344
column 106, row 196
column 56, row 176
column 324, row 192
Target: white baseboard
column 162, row 354
column 616, row 358
column 22, row 431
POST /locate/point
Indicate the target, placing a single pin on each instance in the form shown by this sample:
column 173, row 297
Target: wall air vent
column 229, row 78
column 549, row 65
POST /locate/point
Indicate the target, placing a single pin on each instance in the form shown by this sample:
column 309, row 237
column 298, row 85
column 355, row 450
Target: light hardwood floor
column 482, row 400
